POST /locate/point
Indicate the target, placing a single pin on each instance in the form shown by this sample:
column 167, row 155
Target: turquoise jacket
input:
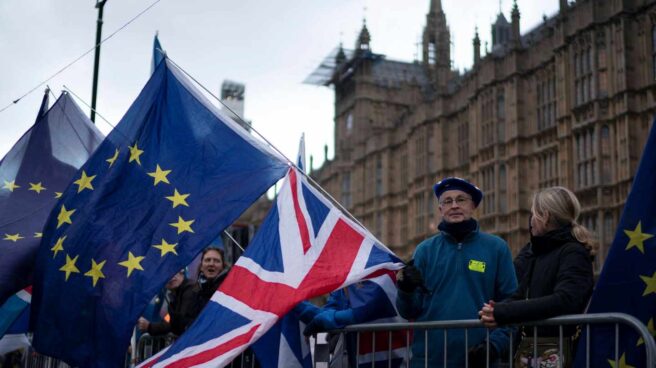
column 460, row 277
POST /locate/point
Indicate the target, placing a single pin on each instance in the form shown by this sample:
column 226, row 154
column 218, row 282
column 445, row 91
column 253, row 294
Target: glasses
column 460, row 201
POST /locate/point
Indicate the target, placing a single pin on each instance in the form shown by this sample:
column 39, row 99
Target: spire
column 340, row 57
column 364, row 39
column 501, row 31
column 477, row 47
column 515, row 24
column 435, row 7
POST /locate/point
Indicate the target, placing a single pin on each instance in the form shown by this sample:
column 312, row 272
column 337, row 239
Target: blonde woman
column 558, row 277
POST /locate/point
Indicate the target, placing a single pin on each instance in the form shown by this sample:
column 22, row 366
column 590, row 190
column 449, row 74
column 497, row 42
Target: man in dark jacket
column 463, row 268
column 180, row 298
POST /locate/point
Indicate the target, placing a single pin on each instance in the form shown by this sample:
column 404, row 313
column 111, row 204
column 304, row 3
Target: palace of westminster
column 569, row 103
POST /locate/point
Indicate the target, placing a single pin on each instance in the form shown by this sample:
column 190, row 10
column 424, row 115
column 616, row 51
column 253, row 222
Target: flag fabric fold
column 167, row 180
column 158, row 54
column 284, row 345
column 32, row 176
column 627, row 283
column 304, row 248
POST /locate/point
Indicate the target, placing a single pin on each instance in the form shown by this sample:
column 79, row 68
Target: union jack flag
column 305, row 247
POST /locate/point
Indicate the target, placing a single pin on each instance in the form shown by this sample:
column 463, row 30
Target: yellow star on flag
column 637, row 238
column 622, row 362
column 15, row 237
column 37, row 187
column 59, row 246
column 650, row 327
column 96, row 271
column 58, row 194
column 160, row 175
column 84, row 182
column 178, row 199
column 166, row 248
column 183, row 225
column 651, row 284
column 69, row 267
column 64, row 216
column 112, row 159
column 135, row 152
column 132, row 263
column 11, row 185
column 38, row 235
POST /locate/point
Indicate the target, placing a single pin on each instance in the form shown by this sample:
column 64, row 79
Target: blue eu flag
column 627, row 283
column 166, row 181
column 32, row 176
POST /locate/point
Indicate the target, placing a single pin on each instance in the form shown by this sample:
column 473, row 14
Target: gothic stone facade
column 569, row 103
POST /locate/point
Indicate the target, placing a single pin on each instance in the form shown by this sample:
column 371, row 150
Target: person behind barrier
column 211, row 273
column 365, row 301
column 180, row 298
column 453, row 274
column 558, row 261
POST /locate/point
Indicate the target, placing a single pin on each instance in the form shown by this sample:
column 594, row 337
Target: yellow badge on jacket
column 478, row 266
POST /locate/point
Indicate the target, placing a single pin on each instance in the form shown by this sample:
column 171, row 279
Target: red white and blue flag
column 378, row 297
column 306, row 247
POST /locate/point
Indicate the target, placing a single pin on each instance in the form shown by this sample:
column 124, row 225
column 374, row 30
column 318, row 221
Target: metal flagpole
column 100, row 4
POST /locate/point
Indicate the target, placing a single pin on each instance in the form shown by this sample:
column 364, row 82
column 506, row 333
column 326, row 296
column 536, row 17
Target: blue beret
column 454, row 183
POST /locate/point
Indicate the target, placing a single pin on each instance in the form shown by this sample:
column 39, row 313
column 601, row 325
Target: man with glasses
column 451, row 276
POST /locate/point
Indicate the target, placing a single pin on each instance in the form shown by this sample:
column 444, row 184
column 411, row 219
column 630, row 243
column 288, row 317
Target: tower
column 362, row 44
column 437, row 47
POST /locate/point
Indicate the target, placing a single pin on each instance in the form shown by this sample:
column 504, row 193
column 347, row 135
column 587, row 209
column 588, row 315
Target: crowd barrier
column 149, row 345
column 584, row 321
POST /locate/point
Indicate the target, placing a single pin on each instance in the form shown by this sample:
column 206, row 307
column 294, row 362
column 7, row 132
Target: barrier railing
column 584, row 320
column 149, row 345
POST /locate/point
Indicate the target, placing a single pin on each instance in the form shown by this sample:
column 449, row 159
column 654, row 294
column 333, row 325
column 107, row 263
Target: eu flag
column 32, row 176
column 627, row 283
column 166, row 181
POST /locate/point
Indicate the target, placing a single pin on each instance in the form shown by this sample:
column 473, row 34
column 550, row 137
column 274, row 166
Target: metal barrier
column 585, row 320
column 148, row 345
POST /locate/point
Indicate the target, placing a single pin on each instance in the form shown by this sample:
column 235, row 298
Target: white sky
column 271, row 46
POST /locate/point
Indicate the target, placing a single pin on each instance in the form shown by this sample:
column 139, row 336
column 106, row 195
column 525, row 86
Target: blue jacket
column 460, row 277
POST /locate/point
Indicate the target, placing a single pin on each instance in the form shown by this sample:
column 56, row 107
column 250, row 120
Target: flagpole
column 100, row 4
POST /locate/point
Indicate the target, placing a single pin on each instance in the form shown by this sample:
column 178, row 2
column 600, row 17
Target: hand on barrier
column 142, row 324
column 329, row 320
column 477, row 355
column 410, row 279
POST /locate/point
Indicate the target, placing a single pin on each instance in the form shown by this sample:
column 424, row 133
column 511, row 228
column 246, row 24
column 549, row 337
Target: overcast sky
column 270, row 46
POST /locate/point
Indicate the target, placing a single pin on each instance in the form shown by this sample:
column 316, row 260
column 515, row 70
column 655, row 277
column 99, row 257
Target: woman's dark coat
column 555, row 278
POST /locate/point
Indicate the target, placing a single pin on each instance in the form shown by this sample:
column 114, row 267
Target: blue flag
column 168, row 179
column 32, row 176
column 627, row 283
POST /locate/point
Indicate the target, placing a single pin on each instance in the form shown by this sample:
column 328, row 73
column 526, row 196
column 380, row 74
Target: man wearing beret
column 452, row 275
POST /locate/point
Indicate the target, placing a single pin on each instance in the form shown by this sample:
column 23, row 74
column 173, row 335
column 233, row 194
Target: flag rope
column 80, row 57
